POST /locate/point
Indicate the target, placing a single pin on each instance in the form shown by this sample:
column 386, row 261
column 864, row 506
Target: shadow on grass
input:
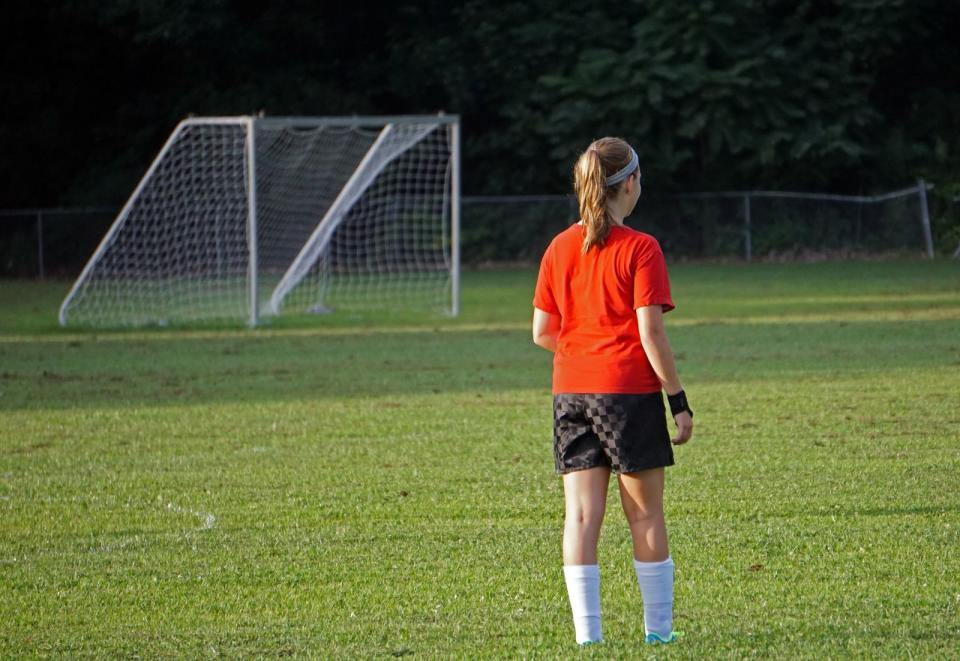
column 154, row 371
column 174, row 369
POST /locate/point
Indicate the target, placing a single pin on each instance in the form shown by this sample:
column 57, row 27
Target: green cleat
column 657, row 639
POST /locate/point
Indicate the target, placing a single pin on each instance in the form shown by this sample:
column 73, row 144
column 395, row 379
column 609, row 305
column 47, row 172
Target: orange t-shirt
column 596, row 296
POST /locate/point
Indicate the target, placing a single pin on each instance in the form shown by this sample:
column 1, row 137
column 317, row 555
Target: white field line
column 242, row 334
column 207, row 520
column 851, row 316
column 852, row 299
column 925, row 314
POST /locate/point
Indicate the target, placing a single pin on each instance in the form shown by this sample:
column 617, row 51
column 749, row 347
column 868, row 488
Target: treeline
column 846, row 96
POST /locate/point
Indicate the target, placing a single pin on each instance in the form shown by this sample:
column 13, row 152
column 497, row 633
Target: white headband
column 620, row 175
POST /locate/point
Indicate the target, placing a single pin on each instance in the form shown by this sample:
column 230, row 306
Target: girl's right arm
column 653, row 337
column 546, row 327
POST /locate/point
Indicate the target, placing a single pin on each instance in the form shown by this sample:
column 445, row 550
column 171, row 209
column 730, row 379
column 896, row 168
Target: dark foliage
column 852, row 96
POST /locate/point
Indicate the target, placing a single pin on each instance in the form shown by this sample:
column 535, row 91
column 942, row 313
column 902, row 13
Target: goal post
column 240, row 217
column 251, row 161
column 454, row 129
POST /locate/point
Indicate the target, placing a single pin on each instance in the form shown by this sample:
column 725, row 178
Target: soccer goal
column 245, row 217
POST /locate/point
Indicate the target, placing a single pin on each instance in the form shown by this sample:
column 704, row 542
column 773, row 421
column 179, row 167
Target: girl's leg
column 585, row 495
column 641, row 494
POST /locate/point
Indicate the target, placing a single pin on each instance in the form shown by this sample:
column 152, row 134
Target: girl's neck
column 616, row 221
column 616, row 210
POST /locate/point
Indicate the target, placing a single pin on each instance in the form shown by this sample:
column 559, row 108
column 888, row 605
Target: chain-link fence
column 50, row 242
column 744, row 224
column 771, row 223
column 512, row 228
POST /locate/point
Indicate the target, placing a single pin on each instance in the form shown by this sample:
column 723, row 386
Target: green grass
column 357, row 486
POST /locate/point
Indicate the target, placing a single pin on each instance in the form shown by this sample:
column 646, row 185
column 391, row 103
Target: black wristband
column 678, row 403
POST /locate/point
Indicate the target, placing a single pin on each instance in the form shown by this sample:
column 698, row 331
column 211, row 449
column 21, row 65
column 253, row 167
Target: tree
column 723, row 94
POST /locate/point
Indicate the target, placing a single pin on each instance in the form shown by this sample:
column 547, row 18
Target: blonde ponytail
column 591, row 188
column 601, row 159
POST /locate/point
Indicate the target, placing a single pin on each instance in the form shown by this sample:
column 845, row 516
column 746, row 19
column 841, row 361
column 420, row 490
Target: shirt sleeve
column 543, row 297
column 651, row 284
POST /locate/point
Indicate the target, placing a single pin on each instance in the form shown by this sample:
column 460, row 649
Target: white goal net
column 243, row 217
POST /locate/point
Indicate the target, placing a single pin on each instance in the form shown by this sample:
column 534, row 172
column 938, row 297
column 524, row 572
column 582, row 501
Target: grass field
column 350, row 487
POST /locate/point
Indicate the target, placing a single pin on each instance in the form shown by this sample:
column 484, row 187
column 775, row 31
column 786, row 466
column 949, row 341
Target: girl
column 599, row 304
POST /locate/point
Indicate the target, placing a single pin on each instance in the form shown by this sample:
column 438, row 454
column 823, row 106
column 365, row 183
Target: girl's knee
column 584, row 518
column 643, row 515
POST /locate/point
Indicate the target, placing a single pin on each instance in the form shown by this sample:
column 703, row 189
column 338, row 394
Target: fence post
column 747, row 238
column 925, row 216
column 40, row 244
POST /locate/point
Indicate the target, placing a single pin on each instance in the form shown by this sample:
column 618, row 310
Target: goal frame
column 250, row 123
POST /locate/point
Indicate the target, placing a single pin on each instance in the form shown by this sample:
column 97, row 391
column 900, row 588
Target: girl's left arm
column 546, row 328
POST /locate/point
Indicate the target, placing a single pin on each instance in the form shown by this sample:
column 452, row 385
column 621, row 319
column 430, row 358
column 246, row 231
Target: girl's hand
column 684, row 428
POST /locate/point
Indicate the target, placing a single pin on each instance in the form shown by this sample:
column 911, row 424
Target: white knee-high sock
column 583, row 588
column 656, row 586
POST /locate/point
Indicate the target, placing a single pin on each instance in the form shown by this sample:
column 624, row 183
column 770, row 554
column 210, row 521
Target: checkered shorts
column 626, row 433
